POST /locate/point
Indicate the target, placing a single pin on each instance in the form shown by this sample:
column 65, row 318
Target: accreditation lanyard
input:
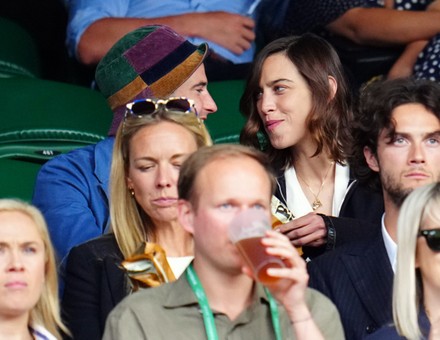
column 208, row 317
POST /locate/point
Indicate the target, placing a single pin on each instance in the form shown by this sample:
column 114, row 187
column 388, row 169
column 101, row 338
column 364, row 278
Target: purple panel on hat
column 158, row 45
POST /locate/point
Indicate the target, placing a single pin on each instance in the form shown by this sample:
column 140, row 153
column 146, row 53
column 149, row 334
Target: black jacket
column 94, row 285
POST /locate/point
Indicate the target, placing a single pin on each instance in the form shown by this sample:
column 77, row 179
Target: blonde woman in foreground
column 416, row 294
column 29, row 307
column 150, row 146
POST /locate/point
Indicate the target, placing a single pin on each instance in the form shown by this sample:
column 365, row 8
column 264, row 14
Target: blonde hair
column 47, row 311
column 422, row 203
column 130, row 224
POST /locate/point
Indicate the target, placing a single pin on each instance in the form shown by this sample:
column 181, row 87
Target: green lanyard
column 208, row 317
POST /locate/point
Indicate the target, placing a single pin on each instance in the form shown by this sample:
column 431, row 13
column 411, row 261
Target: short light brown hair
column 192, row 167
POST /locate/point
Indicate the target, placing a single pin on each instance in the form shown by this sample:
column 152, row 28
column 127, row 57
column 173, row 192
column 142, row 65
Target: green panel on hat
column 114, row 71
column 115, row 76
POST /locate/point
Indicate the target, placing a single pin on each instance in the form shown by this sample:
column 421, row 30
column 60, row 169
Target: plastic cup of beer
column 246, row 230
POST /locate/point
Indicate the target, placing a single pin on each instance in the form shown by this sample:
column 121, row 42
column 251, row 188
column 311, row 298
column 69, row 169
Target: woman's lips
column 165, row 201
column 272, row 124
column 16, row 285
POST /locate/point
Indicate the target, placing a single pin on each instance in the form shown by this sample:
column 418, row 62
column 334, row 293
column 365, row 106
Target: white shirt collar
column 390, row 245
column 178, row 264
column 297, row 201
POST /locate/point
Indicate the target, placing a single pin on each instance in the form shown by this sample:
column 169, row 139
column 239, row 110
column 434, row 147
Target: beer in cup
column 246, row 230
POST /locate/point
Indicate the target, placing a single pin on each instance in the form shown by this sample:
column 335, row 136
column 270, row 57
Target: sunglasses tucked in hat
column 149, row 62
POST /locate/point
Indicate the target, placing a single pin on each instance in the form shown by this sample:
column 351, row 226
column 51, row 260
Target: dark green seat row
column 18, row 53
column 42, row 118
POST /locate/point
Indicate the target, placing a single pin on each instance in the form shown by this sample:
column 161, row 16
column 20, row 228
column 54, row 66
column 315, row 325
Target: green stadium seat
column 225, row 125
column 42, row 118
column 19, row 55
column 17, row 178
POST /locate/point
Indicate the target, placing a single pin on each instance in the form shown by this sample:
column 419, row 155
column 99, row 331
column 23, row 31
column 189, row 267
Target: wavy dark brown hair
column 329, row 120
column 374, row 113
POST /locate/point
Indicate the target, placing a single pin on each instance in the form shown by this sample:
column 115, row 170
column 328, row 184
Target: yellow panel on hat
column 127, row 93
column 166, row 85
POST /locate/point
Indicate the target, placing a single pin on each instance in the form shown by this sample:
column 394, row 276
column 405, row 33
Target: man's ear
column 186, row 215
column 371, row 159
column 333, row 87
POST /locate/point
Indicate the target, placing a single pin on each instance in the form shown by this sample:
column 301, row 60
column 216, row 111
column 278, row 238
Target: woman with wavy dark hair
column 299, row 110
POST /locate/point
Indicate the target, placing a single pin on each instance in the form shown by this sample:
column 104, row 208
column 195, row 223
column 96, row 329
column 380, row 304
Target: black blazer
column 358, row 278
column 94, row 284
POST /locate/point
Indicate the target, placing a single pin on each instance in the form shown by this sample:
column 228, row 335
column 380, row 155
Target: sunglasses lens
column 141, row 108
column 179, row 104
column 433, row 239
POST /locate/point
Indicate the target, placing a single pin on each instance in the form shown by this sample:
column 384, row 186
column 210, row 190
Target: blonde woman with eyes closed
column 149, row 150
column 29, row 307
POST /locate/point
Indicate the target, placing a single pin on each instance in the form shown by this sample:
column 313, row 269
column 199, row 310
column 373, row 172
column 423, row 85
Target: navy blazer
column 94, row 285
column 358, row 278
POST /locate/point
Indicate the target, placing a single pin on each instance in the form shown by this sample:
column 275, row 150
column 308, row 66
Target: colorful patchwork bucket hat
column 149, row 62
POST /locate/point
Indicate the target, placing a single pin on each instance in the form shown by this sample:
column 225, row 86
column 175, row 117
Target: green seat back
column 225, row 125
column 18, row 53
column 17, row 178
column 42, row 118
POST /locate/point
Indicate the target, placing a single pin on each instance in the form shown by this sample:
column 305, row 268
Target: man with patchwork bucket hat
column 72, row 189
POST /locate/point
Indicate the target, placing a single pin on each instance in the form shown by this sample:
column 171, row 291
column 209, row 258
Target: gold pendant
column 316, row 204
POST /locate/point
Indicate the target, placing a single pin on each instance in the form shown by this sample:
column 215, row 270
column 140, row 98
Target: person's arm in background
column 404, row 65
column 361, row 25
column 233, row 31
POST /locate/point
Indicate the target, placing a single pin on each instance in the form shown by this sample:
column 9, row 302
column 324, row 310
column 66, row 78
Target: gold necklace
column 317, row 202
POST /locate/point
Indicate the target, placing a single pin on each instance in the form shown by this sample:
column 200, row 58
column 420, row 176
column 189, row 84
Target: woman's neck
column 174, row 240
column 432, row 307
column 15, row 328
column 309, row 166
column 316, row 175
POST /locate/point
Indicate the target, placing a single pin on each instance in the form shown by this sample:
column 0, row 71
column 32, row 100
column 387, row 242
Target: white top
column 179, row 264
column 297, row 201
column 41, row 333
column 390, row 245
